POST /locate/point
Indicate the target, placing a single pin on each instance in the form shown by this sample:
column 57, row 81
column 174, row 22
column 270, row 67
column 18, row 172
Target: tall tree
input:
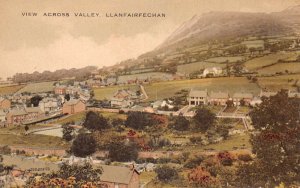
column 276, row 143
column 83, row 145
column 180, row 124
column 95, row 121
column 204, row 119
column 119, row 151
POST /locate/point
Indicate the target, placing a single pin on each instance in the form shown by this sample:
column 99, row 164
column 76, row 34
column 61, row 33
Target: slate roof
column 116, row 174
column 219, row 95
column 198, row 93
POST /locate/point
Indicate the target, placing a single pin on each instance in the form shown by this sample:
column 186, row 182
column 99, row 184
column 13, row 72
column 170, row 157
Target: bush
column 163, row 160
column 225, row 158
column 5, row 150
column 193, row 163
column 166, row 173
column 122, row 152
column 196, row 139
column 84, row 145
column 245, row 157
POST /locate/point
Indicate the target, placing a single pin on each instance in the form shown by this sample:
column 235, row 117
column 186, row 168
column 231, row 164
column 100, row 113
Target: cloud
column 69, row 51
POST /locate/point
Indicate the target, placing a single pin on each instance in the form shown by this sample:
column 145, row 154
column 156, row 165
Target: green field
column 108, row 92
column 38, row 87
column 279, row 82
column 7, row 90
column 192, row 67
column 163, row 90
column 257, row 63
column 280, row 67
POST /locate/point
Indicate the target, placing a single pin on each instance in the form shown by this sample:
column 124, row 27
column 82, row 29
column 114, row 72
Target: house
column 5, row 103
column 60, row 90
column 18, row 116
column 124, row 98
column 218, row 98
column 119, row 177
column 246, row 97
column 214, row 71
column 73, row 106
column 197, row 97
column 49, row 104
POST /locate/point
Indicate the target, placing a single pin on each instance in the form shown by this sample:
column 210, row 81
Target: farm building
column 198, row 97
column 123, row 98
column 214, row 71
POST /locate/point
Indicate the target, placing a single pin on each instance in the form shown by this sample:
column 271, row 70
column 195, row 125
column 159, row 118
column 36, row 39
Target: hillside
column 224, row 25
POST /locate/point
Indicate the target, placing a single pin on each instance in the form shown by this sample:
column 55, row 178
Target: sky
column 39, row 43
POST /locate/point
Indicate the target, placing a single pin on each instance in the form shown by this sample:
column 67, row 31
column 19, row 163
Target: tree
column 68, row 132
column 26, row 128
column 204, row 119
column 181, row 124
column 138, row 120
column 70, row 176
column 166, row 173
column 200, row 177
column 276, row 143
column 229, row 103
column 67, row 97
column 83, row 145
column 123, row 152
column 34, row 101
column 95, row 121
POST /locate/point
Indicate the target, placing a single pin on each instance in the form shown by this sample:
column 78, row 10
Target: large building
column 218, row 98
column 198, row 97
column 238, row 97
column 74, row 106
column 19, row 116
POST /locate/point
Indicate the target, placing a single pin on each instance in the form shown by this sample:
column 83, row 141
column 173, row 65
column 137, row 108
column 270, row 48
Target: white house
column 197, row 97
column 215, row 71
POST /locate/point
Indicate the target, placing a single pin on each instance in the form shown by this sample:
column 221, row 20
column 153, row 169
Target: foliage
column 123, row 152
column 200, row 177
column 67, row 97
column 196, row 139
column 68, row 132
column 5, row 150
column 95, row 121
column 139, row 120
column 276, row 143
column 166, row 173
column 70, row 176
column 225, row 158
column 194, row 162
column 83, row 145
column 180, row 124
column 34, row 101
column 204, row 119
column 245, row 157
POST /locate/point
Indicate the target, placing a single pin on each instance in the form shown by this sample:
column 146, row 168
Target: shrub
column 196, row 139
column 166, row 173
column 225, row 158
column 245, row 157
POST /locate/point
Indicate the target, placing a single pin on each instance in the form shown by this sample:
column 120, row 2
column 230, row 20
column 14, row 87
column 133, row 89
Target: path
column 144, row 93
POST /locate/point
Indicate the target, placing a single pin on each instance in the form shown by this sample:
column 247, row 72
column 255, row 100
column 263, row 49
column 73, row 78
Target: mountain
column 225, row 25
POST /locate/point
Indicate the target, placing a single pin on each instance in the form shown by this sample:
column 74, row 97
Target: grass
column 192, row 67
column 80, row 116
column 33, row 140
column 146, row 177
column 108, row 92
column 237, row 141
column 7, row 90
column 281, row 67
column 38, row 87
column 278, row 82
column 163, row 90
column 259, row 62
